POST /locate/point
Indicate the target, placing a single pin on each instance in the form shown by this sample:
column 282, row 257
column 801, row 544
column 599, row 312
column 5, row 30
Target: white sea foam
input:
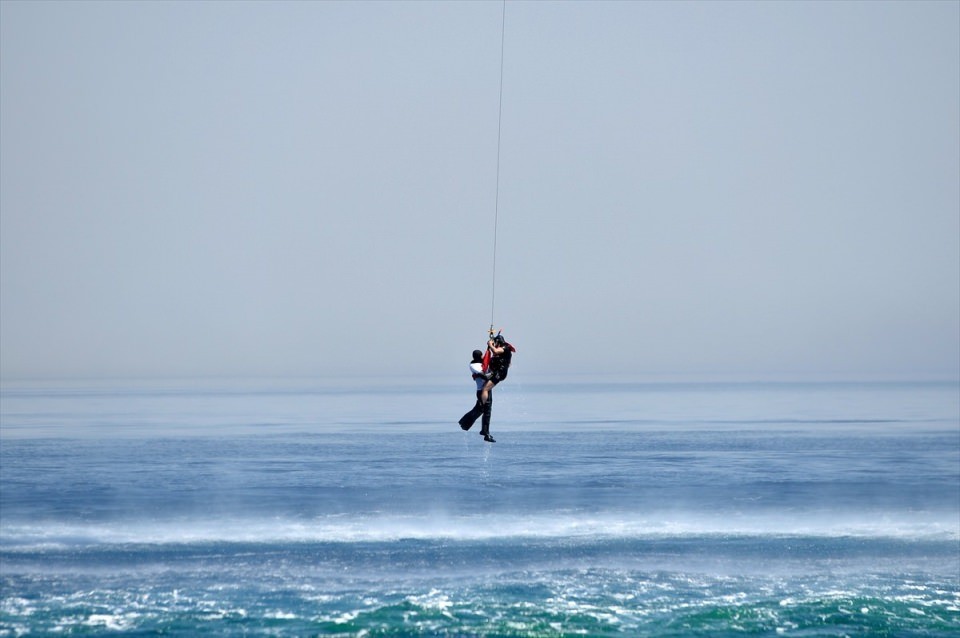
column 566, row 526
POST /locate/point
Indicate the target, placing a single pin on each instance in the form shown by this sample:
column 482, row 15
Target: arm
column 477, row 370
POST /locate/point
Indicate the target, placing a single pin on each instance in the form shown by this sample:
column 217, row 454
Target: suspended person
column 497, row 363
column 480, row 376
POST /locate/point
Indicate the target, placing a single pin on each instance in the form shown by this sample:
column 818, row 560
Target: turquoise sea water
column 359, row 508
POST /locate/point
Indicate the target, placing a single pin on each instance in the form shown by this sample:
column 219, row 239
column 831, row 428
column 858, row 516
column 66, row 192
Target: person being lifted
column 479, row 408
column 487, row 370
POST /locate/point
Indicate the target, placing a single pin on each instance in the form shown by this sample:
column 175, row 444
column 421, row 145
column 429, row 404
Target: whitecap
column 568, row 525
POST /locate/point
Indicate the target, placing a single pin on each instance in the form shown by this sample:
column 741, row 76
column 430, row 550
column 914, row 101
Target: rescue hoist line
column 496, row 206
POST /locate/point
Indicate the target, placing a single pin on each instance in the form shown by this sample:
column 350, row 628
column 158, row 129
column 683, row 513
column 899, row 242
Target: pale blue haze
column 308, row 188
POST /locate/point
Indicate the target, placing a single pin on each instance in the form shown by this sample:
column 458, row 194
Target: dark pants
column 468, row 419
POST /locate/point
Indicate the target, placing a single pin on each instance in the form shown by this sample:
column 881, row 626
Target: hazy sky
column 308, row 188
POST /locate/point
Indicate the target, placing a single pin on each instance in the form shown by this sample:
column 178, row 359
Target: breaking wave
column 473, row 528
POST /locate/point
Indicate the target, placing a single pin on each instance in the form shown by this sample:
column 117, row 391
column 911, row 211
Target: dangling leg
column 468, row 419
column 485, row 392
column 485, row 422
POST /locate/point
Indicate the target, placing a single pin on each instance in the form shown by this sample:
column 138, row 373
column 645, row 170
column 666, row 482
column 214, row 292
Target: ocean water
column 359, row 508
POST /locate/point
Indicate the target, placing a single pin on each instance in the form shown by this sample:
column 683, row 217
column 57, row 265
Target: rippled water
column 360, row 508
